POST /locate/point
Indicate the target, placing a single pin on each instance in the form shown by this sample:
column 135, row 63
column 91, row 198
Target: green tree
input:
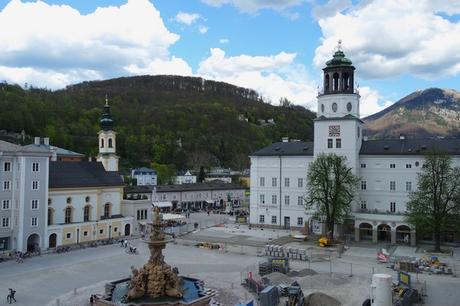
column 331, row 187
column 201, row 175
column 166, row 172
column 435, row 207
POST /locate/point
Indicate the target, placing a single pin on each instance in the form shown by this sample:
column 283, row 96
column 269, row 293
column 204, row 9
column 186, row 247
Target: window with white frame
column 7, row 166
column 363, row 165
column 408, row 186
column 35, row 167
column 300, row 182
column 34, row 221
column 329, row 143
column 34, row 204
column 262, row 181
column 408, row 166
column 286, row 200
column 299, row 200
column 393, row 207
column 273, row 219
column 6, row 204
column 392, row 166
column 274, row 199
column 5, row 222
column 34, row 185
column 392, row 185
column 286, row 182
column 363, row 205
column 274, row 181
column 363, row 185
column 300, row 221
column 6, row 185
column 262, row 199
column 261, row 219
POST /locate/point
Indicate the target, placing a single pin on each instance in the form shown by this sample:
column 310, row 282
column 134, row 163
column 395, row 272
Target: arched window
column 86, row 213
column 68, row 215
column 102, row 142
column 107, row 212
column 326, row 83
column 345, row 81
column 50, row 216
column 335, row 78
column 110, row 143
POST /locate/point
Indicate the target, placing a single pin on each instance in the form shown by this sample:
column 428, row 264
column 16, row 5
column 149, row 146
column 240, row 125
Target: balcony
column 376, row 211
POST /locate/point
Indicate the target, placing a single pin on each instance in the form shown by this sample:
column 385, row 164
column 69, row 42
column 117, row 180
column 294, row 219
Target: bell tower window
column 326, row 83
column 102, row 143
column 334, row 107
column 335, row 84
column 322, row 108
column 110, row 143
column 349, row 107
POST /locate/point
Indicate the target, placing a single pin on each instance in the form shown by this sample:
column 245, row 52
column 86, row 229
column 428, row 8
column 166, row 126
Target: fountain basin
column 194, row 295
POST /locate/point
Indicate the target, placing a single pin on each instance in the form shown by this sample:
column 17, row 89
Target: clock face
column 334, row 131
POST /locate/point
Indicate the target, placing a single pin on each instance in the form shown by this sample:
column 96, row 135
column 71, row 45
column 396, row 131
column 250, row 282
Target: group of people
column 130, row 248
column 19, row 257
column 10, row 297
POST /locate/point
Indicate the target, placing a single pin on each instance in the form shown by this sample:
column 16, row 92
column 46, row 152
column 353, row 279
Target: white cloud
column 174, row 65
column 252, row 6
column 273, row 76
column 386, row 38
column 58, row 45
column 202, row 29
column 330, row 8
column 186, row 18
column 371, row 102
column 224, row 40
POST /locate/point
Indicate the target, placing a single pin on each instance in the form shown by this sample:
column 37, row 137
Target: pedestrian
column 91, row 300
column 10, row 296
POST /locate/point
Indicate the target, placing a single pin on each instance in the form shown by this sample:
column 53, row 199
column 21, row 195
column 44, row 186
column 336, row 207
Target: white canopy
column 162, row 204
column 168, row 217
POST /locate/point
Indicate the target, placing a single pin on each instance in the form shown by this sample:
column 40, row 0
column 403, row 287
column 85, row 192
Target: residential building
column 23, row 196
column 387, row 168
column 185, row 178
column 218, row 174
column 144, row 176
column 137, row 202
column 216, row 194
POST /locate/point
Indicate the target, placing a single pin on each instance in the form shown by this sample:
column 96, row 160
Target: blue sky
column 275, row 47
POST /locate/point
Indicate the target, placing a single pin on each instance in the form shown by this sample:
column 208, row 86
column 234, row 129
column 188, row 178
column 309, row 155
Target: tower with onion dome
column 107, row 140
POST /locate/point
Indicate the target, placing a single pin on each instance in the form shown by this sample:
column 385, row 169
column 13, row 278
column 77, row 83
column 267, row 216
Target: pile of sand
column 277, row 278
column 321, row 299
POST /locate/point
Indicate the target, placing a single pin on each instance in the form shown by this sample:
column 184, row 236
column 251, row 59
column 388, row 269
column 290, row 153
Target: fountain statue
column 156, row 278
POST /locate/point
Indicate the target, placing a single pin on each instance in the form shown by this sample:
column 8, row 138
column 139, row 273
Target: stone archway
column 365, row 231
column 383, row 232
column 33, row 243
column 52, row 242
column 127, row 229
column 403, row 234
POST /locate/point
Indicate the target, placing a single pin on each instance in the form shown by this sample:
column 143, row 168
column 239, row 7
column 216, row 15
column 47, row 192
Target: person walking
column 10, row 296
column 91, row 300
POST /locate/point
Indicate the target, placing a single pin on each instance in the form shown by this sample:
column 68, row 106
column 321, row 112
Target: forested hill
column 182, row 121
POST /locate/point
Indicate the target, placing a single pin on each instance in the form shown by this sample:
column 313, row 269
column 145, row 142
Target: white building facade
column 144, row 176
column 387, row 168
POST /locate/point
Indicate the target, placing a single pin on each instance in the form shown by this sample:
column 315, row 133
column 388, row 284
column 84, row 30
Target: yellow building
column 84, row 204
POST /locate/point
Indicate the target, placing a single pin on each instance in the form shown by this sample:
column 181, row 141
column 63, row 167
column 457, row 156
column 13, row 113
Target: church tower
column 107, row 141
column 338, row 128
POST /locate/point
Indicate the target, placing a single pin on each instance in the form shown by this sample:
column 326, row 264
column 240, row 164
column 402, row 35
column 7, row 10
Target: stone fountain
column 156, row 283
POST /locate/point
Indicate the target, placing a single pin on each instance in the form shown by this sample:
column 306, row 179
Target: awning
column 209, row 201
column 162, row 204
column 167, row 217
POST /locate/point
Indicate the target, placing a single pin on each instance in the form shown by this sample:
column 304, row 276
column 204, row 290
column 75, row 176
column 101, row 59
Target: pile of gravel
column 277, row 278
column 321, row 299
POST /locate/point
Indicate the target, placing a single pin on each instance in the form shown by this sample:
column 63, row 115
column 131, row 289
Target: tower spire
column 106, row 100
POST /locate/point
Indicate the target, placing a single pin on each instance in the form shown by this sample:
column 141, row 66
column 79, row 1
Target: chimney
column 402, row 137
column 37, row 141
column 46, row 141
column 285, row 139
column 365, row 138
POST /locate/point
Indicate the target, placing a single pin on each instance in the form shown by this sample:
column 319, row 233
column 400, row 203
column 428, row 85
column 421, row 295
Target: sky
column 277, row 47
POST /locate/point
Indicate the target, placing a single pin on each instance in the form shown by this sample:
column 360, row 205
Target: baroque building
column 387, row 168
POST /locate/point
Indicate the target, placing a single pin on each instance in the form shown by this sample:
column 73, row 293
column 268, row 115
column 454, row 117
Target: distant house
column 137, row 202
column 60, row 154
column 185, row 178
column 219, row 174
column 144, row 176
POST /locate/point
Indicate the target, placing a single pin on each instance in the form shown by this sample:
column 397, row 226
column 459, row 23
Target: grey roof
column 346, row 117
column 214, row 185
column 65, row 152
column 81, row 174
column 143, row 169
column 8, row 147
column 419, row 146
column 296, row 148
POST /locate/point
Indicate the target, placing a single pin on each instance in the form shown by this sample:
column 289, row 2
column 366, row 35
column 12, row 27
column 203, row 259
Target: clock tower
column 338, row 128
